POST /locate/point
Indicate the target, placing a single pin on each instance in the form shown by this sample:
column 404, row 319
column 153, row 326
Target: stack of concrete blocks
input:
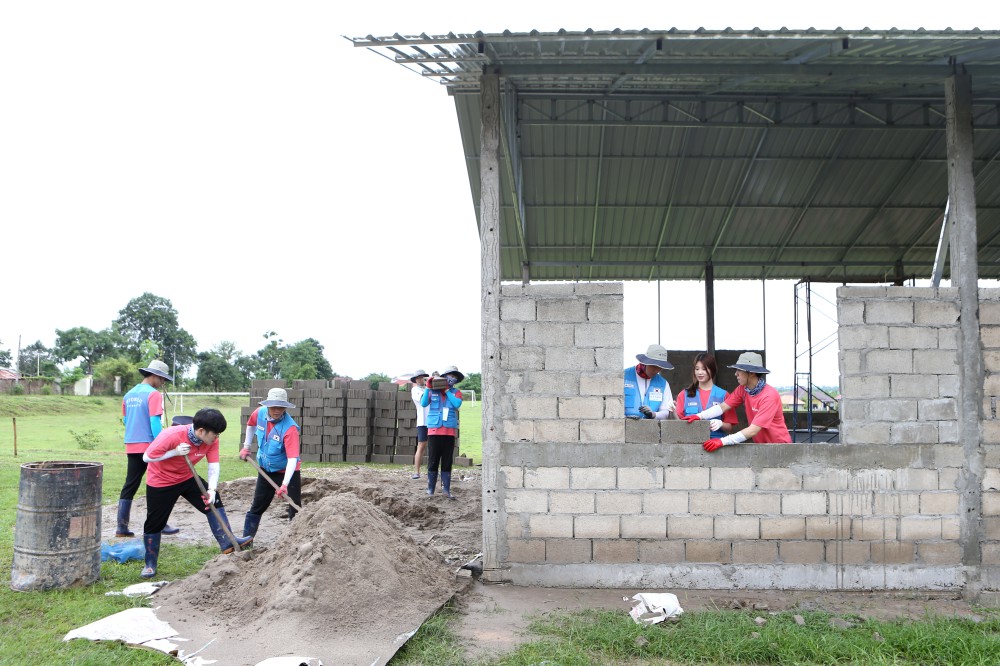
column 258, row 392
column 359, row 421
column 335, row 421
column 406, row 426
column 384, row 422
column 587, row 498
column 307, row 394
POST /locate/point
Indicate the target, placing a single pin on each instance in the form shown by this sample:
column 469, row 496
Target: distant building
column 821, row 401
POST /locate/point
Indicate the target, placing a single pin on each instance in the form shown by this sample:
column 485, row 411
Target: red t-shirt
column 174, row 470
column 764, row 410
column 290, row 441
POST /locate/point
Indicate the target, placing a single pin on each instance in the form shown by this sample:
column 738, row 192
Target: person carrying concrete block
column 443, row 403
column 647, row 394
column 762, row 404
column 142, row 415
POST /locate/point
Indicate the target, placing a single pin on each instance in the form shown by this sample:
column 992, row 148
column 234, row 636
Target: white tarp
column 653, row 608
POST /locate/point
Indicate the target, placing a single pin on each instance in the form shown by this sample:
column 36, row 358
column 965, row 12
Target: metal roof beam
column 511, row 136
column 676, row 68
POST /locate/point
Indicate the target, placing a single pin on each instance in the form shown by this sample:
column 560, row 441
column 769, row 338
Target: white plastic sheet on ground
column 291, row 660
column 137, row 626
column 139, row 589
column 653, row 608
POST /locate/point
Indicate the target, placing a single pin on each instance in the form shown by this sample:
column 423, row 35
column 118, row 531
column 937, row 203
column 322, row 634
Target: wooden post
column 14, row 419
column 489, row 239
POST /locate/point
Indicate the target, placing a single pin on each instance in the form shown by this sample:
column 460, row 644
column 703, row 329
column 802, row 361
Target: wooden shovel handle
column 274, row 485
column 211, row 506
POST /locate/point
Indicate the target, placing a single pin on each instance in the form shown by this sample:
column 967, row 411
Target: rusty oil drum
column 57, row 537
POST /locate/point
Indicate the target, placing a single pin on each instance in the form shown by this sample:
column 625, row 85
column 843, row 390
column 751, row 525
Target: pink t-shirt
column 764, row 410
column 290, row 441
column 174, row 470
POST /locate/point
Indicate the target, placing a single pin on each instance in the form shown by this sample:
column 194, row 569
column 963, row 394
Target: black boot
column 167, row 529
column 152, row 543
column 250, row 524
column 225, row 545
column 124, row 510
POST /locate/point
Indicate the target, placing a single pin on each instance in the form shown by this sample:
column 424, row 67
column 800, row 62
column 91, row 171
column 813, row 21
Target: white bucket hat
column 452, row 370
column 750, row 362
column 418, row 373
column 655, row 355
column 277, row 397
column 158, row 368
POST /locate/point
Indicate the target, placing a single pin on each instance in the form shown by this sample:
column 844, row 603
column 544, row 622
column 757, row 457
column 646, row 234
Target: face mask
column 452, row 380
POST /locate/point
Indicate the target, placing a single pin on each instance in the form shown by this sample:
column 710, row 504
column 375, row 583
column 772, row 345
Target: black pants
column 263, row 493
column 440, row 450
column 160, row 502
column 133, row 476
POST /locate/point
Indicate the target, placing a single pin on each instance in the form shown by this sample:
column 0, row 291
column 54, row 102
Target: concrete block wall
column 898, row 365
column 599, row 501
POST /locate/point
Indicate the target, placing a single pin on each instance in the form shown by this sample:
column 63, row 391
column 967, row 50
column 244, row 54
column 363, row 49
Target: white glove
column 714, row 424
column 182, row 449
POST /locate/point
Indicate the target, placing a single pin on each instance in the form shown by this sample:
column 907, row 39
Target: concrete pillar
column 965, row 276
column 489, row 239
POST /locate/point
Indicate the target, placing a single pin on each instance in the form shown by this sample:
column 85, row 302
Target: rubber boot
column 167, row 529
column 225, row 545
column 152, row 543
column 432, row 479
column 250, row 524
column 124, row 510
column 446, row 484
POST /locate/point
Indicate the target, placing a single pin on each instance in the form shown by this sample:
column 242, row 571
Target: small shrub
column 17, row 389
column 87, row 440
column 45, row 390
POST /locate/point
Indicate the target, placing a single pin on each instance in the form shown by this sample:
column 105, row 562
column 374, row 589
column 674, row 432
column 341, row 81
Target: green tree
column 374, row 378
column 305, row 360
column 269, row 357
column 153, row 318
column 472, row 382
column 37, row 359
column 117, row 366
column 249, row 368
column 90, row 345
column 216, row 373
column 5, row 357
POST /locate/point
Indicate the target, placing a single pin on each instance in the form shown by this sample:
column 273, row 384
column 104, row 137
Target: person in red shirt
column 763, row 407
column 168, row 478
column 278, row 456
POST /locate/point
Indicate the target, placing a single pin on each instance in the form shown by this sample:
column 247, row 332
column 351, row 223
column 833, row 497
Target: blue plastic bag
column 123, row 551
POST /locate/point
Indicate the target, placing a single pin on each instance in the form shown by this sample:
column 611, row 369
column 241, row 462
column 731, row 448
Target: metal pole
column 809, row 342
column 14, row 419
column 710, row 308
column 659, row 317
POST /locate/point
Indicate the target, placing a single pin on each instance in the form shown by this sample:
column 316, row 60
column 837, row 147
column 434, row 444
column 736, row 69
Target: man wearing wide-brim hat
column 442, row 427
column 142, row 414
column 419, row 380
column 647, row 393
column 762, row 404
column 278, row 456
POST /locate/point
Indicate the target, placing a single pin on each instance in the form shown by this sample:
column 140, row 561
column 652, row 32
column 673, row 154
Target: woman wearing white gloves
column 703, row 393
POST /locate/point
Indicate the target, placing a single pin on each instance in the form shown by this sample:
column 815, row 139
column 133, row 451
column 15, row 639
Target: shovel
column 215, row 512
column 274, row 485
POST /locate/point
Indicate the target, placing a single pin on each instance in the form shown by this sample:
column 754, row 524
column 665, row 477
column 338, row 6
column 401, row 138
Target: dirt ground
column 375, row 556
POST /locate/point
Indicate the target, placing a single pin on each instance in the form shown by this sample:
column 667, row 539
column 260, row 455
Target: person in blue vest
column 142, row 414
column 703, row 393
column 277, row 436
column 442, row 405
column 647, row 394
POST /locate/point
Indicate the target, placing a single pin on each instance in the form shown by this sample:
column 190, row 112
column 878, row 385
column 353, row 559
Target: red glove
column 691, row 418
column 712, row 444
column 282, row 491
column 244, row 454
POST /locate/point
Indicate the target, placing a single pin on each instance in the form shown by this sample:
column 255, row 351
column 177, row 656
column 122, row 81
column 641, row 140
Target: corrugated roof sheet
column 786, row 154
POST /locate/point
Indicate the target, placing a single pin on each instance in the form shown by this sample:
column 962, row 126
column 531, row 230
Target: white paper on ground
column 134, row 625
column 139, row 589
column 653, row 608
column 291, row 660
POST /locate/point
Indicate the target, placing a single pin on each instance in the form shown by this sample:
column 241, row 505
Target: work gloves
column 182, row 449
column 210, row 498
column 714, row 424
column 646, row 411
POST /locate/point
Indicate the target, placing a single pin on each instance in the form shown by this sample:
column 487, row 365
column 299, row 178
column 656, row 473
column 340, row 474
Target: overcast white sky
column 246, row 162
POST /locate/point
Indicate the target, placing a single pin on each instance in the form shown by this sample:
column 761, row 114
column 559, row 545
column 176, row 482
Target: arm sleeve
column 155, row 426
column 668, row 401
column 161, row 449
column 291, row 444
column 425, row 399
column 248, row 438
column 454, row 398
column 713, row 412
column 213, row 475
column 289, row 471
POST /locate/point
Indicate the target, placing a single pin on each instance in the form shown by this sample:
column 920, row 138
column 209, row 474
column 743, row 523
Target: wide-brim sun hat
column 277, row 397
column 655, row 355
column 418, row 373
column 158, row 368
column 750, row 362
column 452, row 370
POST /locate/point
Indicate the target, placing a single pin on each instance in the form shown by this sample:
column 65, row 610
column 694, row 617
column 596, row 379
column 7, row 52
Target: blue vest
column 437, row 402
column 137, row 428
column 271, row 454
column 692, row 405
column 633, row 401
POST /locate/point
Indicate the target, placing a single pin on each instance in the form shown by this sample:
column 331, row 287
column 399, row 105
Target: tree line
column 147, row 328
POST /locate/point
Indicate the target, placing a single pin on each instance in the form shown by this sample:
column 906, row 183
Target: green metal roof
column 777, row 154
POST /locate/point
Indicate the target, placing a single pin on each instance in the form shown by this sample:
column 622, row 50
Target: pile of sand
column 339, row 566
